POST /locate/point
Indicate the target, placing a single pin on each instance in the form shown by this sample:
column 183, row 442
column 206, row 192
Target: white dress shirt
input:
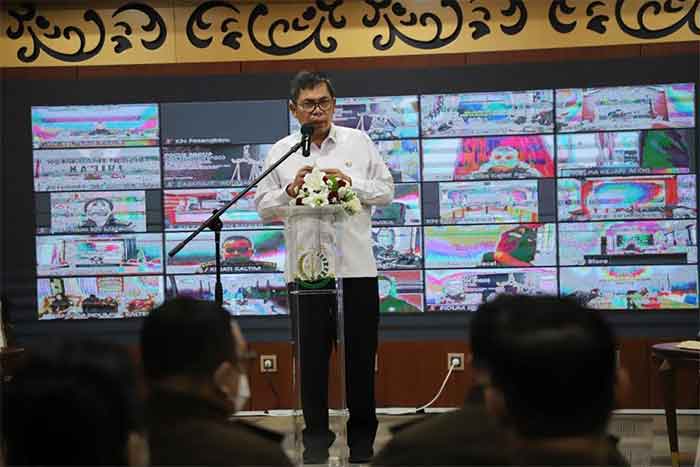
column 353, row 153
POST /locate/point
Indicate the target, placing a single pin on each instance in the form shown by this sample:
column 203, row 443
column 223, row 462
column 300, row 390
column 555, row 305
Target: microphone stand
column 214, row 223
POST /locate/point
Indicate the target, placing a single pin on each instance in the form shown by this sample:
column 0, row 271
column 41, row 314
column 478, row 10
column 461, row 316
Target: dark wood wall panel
column 634, row 358
column 409, row 374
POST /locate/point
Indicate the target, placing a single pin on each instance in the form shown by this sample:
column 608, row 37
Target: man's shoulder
column 209, row 441
column 464, row 436
column 284, row 143
column 346, row 132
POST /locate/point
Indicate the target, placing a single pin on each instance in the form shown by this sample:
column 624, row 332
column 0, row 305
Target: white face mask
column 243, row 392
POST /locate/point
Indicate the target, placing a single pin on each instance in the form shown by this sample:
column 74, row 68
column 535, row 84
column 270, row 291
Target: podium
column 313, row 262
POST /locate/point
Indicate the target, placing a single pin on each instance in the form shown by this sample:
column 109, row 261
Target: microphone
column 307, row 130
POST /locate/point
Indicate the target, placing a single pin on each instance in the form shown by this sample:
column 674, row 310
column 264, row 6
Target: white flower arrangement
column 320, row 189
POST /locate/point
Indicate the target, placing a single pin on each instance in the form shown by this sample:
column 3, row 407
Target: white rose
column 314, row 179
column 353, row 206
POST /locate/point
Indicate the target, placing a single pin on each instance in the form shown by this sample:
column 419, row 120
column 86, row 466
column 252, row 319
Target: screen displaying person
column 349, row 155
column 100, row 217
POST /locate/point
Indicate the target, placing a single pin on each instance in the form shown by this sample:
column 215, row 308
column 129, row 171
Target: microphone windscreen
column 307, row 129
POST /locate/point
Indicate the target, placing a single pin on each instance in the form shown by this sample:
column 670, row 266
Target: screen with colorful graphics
column 581, row 192
column 626, row 108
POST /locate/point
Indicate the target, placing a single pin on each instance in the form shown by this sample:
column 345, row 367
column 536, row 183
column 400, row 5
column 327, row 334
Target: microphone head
column 307, row 129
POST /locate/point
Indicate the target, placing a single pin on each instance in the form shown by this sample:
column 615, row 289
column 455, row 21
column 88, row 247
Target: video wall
column 587, row 192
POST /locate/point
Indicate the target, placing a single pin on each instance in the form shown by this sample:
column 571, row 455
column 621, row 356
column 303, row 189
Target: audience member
column 467, row 436
column 547, row 368
column 194, row 360
column 553, row 381
column 74, row 403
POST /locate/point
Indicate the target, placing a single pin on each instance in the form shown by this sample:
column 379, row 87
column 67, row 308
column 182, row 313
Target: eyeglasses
column 310, row 105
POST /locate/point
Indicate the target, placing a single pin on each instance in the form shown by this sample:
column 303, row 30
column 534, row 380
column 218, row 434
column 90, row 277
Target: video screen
column 497, row 246
column 628, row 243
column 187, row 209
column 487, row 113
column 663, row 196
column 632, row 287
column 85, row 255
column 383, row 117
column 505, row 201
column 400, row 291
column 223, row 122
column 626, row 107
column 97, row 169
column 241, row 251
column 626, row 153
column 495, row 157
column 213, row 165
column 403, row 210
column 94, row 126
column 95, row 212
column 465, row 290
column 402, row 158
column 98, row 297
column 244, row 294
column 397, row 247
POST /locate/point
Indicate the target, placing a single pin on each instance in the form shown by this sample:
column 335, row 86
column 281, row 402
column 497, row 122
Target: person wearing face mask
column 194, row 359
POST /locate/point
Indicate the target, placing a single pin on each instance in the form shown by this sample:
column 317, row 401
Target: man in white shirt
column 350, row 155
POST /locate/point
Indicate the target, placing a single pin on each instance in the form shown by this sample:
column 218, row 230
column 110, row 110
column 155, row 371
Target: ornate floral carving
column 398, row 10
column 643, row 31
column 27, row 19
column 557, row 24
column 319, row 13
column 231, row 39
column 480, row 28
column 122, row 43
column 517, row 7
column 595, row 24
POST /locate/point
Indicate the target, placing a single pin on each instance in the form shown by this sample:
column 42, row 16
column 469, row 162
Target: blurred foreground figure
column 548, row 379
column 195, row 357
column 74, row 403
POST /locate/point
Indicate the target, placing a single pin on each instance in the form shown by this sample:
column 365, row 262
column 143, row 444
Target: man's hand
column 339, row 175
column 293, row 188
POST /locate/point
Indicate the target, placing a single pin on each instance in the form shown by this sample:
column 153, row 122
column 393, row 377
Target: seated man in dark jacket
column 553, row 381
column 545, row 369
column 193, row 355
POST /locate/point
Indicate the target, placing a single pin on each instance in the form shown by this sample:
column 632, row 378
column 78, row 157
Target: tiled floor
column 643, row 438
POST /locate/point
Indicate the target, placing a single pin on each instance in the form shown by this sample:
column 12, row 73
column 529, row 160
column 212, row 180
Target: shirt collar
column 333, row 134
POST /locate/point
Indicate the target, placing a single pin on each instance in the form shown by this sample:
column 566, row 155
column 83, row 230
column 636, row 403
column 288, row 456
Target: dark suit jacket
column 469, row 437
column 466, row 436
column 185, row 430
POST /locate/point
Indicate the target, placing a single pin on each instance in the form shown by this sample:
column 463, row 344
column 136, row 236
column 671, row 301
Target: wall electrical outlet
column 268, row 364
column 456, row 359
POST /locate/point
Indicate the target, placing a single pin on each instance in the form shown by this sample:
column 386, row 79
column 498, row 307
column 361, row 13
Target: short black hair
column 480, row 336
column 235, row 238
column 71, row 403
column 95, row 200
column 309, row 80
column 554, row 361
column 186, row 337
